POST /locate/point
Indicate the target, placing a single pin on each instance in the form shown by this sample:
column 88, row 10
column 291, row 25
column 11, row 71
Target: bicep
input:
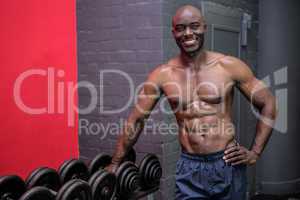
column 252, row 88
column 255, row 91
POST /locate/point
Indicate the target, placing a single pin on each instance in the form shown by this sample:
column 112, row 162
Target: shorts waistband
column 203, row 157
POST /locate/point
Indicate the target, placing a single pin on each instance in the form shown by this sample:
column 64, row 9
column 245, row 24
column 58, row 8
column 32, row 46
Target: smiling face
column 188, row 29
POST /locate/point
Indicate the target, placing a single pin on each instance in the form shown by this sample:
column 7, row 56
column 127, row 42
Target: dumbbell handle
column 54, row 193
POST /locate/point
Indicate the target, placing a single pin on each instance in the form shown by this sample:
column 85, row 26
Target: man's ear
column 172, row 30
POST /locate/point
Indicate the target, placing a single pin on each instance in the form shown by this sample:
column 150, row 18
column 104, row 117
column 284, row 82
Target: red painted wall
column 38, row 70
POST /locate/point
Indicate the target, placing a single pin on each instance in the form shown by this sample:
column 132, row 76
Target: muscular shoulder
column 236, row 68
column 162, row 72
column 158, row 74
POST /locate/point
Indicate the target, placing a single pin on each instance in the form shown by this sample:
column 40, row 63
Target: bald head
column 187, row 11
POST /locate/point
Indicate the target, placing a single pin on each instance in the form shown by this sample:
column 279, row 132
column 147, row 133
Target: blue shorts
column 207, row 176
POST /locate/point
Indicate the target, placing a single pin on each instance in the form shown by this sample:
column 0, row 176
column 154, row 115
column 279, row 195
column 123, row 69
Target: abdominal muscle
column 206, row 134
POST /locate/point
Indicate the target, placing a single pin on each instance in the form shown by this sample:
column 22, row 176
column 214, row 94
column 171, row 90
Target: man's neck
column 194, row 61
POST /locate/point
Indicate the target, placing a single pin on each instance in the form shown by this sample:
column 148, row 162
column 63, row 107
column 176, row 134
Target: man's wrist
column 256, row 153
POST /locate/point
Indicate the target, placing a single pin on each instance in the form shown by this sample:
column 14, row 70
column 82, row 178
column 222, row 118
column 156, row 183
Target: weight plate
column 129, row 180
column 103, row 185
column 150, row 171
column 63, row 166
column 132, row 181
column 11, row 187
column 155, row 171
column 144, row 164
column 44, row 176
column 38, row 193
column 124, row 185
column 73, row 169
column 32, row 175
column 152, row 165
column 127, row 177
column 93, row 178
column 99, row 162
column 75, row 189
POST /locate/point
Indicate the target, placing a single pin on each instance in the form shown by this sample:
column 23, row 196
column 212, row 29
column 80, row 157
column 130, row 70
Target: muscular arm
column 146, row 100
column 259, row 96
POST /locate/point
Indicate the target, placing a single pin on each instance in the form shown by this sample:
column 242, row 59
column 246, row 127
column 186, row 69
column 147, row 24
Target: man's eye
column 179, row 28
column 195, row 26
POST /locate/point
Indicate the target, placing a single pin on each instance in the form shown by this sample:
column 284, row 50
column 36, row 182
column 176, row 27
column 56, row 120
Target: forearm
column 146, row 100
column 264, row 127
column 127, row 139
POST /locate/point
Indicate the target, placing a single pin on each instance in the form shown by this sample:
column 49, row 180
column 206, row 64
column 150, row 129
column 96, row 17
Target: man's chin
column 191, row 50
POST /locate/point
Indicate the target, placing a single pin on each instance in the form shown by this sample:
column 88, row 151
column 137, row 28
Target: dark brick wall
column 114, row 35
column 123, row 35
column 132, row 36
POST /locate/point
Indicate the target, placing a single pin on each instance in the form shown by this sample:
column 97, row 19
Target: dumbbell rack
column 130, row 182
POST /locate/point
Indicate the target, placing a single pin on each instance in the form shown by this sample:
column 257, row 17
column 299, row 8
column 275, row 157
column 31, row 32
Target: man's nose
column 187, row 31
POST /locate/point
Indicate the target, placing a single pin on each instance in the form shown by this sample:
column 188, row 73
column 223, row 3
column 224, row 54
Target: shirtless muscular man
column 199, row 87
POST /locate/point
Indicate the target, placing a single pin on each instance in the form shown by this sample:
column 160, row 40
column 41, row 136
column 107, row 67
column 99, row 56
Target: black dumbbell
column 73, row 190
column 103, row 160
column 73, row 169
column 43, row 176
column 76, row 169
column 150, row 171
column 43, row 184
column 128, row 179
column 11, row 187
column 102, row 184
column 96, row 168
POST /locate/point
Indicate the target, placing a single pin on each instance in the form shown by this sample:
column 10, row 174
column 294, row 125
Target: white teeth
column 189, row 42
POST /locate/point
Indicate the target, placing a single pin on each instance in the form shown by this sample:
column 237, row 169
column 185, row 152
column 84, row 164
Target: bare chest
column 208, row 86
